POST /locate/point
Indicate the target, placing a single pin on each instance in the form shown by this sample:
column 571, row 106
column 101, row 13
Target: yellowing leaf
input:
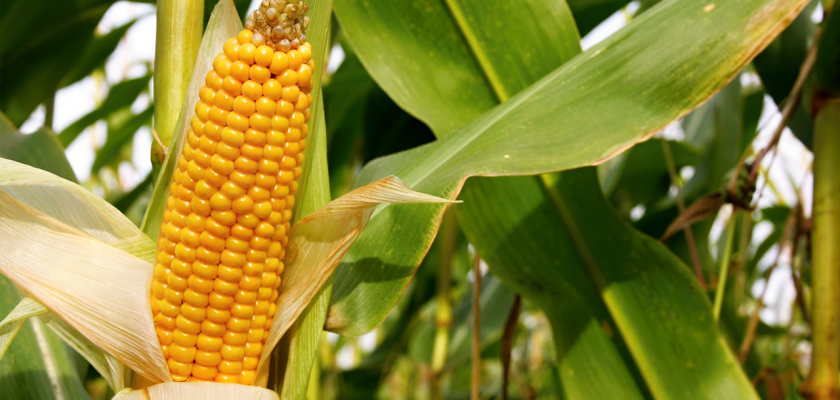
column 319, row 241
column 197, row 390
column 99, row 290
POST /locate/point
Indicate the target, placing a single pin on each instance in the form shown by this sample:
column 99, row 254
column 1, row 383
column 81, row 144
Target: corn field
column 420, row 199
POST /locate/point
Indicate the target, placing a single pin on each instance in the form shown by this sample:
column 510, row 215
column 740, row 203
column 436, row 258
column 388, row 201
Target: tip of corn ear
column 279, row 24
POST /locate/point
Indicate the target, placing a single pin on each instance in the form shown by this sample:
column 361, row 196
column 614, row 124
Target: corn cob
column 223, row 235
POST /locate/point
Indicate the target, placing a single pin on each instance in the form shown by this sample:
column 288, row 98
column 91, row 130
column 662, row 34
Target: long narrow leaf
column 40, row 149
column 121, row 95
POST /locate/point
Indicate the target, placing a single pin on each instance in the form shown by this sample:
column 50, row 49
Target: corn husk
column 74, row 206
column 77, row 207
column 99, row 290
column 197, row 390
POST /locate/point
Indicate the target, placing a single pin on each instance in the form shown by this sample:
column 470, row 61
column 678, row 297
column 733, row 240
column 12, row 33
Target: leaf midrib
column 477, row 51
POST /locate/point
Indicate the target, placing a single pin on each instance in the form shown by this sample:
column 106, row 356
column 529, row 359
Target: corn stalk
column 178, row 36
column 822, row 380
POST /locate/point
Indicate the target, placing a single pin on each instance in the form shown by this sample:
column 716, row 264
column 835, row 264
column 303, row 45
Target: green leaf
column 37, row 365
column 39, row 149
column 95, row 55
column 388, row 129
column 596, row 105
column 389, row 37
column 589, row 13
column 597, row 260
column 18, row 20
column 363, row 123
column 345, row 102
column 120, row 96
column 119, row 137
column 42, row 39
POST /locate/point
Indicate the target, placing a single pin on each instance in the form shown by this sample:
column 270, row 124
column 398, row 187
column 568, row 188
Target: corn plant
column 491, row 203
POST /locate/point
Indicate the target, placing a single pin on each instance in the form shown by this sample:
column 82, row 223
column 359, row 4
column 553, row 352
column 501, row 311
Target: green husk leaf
column 224, row 24
column 39, row 149
column 10, row 325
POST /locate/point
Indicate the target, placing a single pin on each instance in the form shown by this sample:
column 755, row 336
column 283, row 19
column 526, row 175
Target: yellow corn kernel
column 224, row 231
column 252, row 90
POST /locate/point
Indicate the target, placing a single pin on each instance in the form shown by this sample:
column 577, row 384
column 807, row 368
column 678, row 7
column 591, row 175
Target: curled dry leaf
column 701, row 209
column 320, row 240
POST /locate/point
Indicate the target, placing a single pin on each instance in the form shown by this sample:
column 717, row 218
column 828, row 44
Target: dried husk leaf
column 74, row 206
column 10, row 325
column 80, row 209
column 99, row 290
column 317, row 244
column 197, row 390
